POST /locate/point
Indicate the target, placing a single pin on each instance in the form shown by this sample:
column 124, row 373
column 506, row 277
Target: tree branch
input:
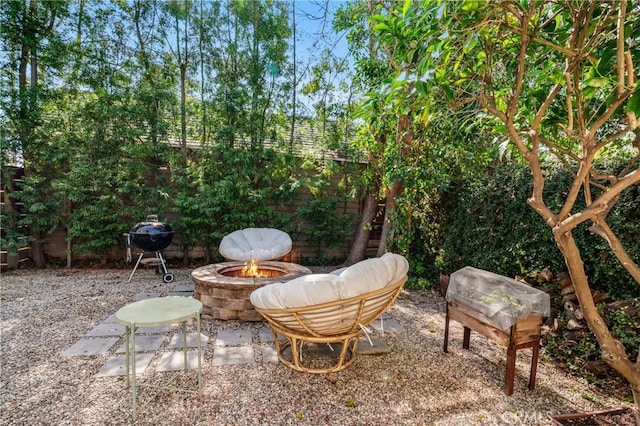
column 604, row 117
column 522, row 57
column 620, row 65
column 602, row 202
column 601, row 228
column 611, row 138
column 556, row 147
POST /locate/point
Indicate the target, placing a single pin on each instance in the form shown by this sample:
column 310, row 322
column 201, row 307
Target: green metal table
column 154, row 313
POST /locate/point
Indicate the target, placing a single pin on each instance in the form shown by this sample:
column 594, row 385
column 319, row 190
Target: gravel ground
column 44, row 312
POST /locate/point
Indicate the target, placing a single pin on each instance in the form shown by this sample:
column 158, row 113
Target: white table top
column 158, row 311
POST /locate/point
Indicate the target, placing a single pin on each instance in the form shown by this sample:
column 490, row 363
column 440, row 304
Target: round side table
column 154, row 313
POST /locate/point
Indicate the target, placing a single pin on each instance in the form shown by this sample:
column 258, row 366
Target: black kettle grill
column 150, row 235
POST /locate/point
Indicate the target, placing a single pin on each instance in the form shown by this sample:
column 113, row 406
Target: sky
column 314, row 26
column 314, row 21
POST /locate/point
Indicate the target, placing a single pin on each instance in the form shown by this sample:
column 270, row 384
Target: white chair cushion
column 255, row 243
column 307, row 290
column 373, row 274
column 315, row 289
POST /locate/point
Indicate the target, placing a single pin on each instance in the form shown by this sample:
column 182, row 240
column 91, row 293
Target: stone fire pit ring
column 225, row 296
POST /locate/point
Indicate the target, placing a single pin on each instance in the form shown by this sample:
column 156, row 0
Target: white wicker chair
column 338, row 321
column 255, row 244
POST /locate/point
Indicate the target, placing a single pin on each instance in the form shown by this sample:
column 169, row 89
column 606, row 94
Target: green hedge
column 485, row 222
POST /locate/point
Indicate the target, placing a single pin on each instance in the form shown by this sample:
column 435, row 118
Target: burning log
column 251, row 270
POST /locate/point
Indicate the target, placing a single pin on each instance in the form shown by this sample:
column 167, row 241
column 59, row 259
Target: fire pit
column 224, row 288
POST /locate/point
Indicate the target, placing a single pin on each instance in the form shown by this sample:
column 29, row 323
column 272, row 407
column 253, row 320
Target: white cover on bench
column 309, row 290
column 255, row 243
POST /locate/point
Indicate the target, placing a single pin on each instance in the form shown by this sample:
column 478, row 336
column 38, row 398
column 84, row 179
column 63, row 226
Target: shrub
column 484, row 221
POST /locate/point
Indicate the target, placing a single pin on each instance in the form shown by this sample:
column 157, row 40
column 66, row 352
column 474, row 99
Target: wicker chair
column 255, row 244
column 340, row 321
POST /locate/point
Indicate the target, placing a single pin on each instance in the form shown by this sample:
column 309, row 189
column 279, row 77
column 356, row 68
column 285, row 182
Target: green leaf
column 421, row 87
column 448, row 91
column 470, row 44
column 597, row 82
column 633, row 104
column 406, row 7
column 378, row 18
column 470, row 5
column 381, row 27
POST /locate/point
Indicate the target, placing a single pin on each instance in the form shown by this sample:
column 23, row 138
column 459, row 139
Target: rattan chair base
column 348, row 347
column 340, row 322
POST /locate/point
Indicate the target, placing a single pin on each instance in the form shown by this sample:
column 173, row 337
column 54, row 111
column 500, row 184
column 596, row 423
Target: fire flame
column 251, row 270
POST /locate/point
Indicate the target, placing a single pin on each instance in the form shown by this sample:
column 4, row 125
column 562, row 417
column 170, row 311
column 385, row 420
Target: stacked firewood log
column 564, row 301
column 567, row 321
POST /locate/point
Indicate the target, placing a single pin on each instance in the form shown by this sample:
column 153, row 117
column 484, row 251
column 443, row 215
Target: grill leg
column 135, row 267
column 164, row 266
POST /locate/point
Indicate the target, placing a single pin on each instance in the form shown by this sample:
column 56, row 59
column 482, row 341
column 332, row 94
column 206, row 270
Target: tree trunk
column 69, row 254
column 10, row 213
column 183, row 108
column 27, row 57
column 391, row 194
column 612, row 350
column 294, row 85
column 185, row 256
column 361, row 239
column 37, row 251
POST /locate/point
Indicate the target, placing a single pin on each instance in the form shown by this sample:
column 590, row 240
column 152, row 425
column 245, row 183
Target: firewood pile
column 564, row 301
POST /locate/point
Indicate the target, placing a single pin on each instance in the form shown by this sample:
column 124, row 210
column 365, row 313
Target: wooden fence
column 56, row 245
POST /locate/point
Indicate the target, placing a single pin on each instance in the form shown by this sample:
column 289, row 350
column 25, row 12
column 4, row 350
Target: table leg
column 134, row 392
column 184, row 344
column 126, row 353
column 199, row 355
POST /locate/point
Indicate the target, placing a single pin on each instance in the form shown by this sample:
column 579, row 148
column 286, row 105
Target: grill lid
column 152, row 235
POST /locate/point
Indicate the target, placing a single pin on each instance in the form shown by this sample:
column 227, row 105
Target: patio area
column 63, row 363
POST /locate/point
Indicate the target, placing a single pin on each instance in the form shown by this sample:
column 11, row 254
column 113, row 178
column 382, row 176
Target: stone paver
column 88, row 347
column 376, row 347
column 174, row 361
column 143, row 296
column 111, row 319
column 154, row 330
column 226, row 355
column 115, row 366
column 269, row 353
column 106, row 329
column 192, row 341
column 145, row 344
column 231, row 347
column 233, row 337
column 184, row 288
column 389, row 325
column 323, row 349
column 265, row 334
